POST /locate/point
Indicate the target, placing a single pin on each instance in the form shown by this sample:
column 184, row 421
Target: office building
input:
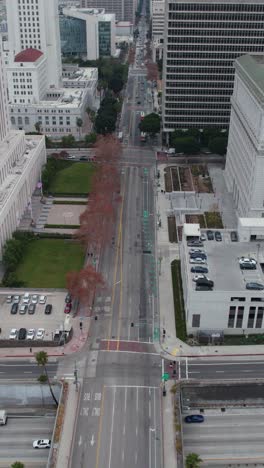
column 202, row 40
column 124, row 10
column 87, row 33
column 157, row 14
column 35, row 25
column 244, row 171
column 21, row 161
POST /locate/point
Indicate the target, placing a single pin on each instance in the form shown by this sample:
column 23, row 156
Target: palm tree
column 193, row 460
column 42, row 360
column 18, row 465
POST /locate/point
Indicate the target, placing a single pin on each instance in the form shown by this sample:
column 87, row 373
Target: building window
column 231, row 318
column 251, row 317
column 241, row 299
column 240, row 314
column 196, row 320
column 259, row 317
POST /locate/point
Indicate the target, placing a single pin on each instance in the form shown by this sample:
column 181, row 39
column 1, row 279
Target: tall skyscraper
column 35, row 25
column 202, row 40
column 4, row 119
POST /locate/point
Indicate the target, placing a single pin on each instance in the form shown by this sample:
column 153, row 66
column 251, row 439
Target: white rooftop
column 191, row 230
column 251, row 222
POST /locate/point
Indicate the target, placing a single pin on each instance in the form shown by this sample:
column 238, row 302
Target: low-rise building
column 229, row 308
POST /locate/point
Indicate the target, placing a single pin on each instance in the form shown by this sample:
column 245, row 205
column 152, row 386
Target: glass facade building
column 73, row 36
column 104, row 29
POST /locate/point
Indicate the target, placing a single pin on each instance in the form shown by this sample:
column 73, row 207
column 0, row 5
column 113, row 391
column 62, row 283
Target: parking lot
column 223, row 437
column 33, row 319
column 17, row 436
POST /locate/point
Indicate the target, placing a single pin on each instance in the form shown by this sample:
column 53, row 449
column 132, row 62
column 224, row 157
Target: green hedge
column 62, row 226
column 67, row 194
column 69, row 202
column 178, row 300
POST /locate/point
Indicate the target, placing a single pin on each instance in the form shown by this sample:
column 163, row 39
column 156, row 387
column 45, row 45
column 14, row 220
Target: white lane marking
column 112, row 427
column 234, row 363
column 124, row 429
column 130, row 386
column 131, row 352
column 186, row 363
column 136, row 431
column 193, row 372
column 155, row 422
column 151, row 429
column 80, row 441
column 27, row 372
column 125, row 399
column 136, row 458
column 123, row 456
column 92, row 441
column 137, row 400
column 149, row 409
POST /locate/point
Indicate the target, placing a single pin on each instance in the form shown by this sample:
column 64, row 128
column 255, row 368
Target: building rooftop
column 223, row 264
column 28, row 55
column 65, row 97
column 81, row 74
column 252, row 222
column 251, row 67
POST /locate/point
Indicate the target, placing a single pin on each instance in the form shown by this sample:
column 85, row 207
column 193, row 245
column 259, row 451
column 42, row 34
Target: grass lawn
column 178, row 300
column 75, row 179
column 47, row 261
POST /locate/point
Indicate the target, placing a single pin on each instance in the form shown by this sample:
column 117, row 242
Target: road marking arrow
column 80, row 441
column 92, row 442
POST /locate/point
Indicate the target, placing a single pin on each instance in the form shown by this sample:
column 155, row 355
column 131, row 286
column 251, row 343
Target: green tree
column 186, row 145
column 90, row 139
column 105, row 123
column 12, row 254
column 79, row 124
column 42, row 360
column 218, row 145
column 37, row 127
column 193, row 460
column 68, row 141
column 116, row 83
column 18, row 464
column 92, row 114
column 150, row 124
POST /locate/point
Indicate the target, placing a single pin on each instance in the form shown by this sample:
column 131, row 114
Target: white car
column 42, row 299
column 196, row 277
column 196, row 251
column 40, row 334
column 16, row 299
column 31, row 334
column 13, row 334
column 9, row 299
column 34, row 299
column 71, row 157
column 198, row 260
column 42, row 443
column 245, row 261
column 23, row 309
column 203, row 237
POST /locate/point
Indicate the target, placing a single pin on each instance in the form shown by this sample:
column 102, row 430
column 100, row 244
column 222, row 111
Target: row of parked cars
column 27, row 303
column 248, row 263
column 198, row 257
column 24, row 334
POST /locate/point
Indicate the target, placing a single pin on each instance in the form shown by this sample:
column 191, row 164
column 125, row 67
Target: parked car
column 31, row 334
column 203, row 287
column 218, row 236
column 199, row 269
column 195, row 243
column 84, row 158
column 9, row 299
column 23, row 309
column 40, row 334
column 67, row 308
column 22, row 334
column 71, row 156
column 34, row 299
column 247, row 263
column 16, row 299
column 13, row 334
column 197, row 277
column 68, row 298
column 197, row 260
column 42, row 299
column 42, row 443
column 26, row 298
column 194, row 418
column 210, row 235
column 198, row 255
column 48, row 309
column 31, row 309
column 196, row 251
column 14, row 308
column 205, row 282
column 256, row 286
column 203, row 237
column 233, row 236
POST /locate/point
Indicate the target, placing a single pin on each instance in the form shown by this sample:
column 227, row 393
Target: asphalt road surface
column 22, row 370
column 17, row 437
column 224, row 437
column 221, row 369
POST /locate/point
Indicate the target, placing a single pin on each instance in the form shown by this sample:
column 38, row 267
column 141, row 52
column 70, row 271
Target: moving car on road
column 194, row 418
column 247, row 263
column 42, row 443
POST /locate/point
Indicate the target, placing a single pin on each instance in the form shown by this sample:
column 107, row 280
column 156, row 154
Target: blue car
column 194, row 418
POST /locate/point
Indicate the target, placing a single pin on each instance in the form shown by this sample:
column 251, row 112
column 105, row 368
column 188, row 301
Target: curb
column 200, row 356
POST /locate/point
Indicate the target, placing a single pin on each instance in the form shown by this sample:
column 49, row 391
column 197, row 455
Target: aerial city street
column 131, row 234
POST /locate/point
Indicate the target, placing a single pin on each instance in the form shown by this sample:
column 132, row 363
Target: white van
column 3, row 417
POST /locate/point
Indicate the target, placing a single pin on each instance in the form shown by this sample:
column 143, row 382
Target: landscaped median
column 178, row 300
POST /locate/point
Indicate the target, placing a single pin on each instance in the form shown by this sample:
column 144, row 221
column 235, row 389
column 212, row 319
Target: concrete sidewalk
column 169, row 441
column 67, row 434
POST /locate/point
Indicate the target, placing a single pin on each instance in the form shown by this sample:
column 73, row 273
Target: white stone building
column 21, row 161
column 35, row 25
column 229, row 308
column 244, row 171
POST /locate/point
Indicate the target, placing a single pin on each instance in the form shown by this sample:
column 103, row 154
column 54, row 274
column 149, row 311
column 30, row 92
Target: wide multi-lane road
column 228, row 368
column 24, row 369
